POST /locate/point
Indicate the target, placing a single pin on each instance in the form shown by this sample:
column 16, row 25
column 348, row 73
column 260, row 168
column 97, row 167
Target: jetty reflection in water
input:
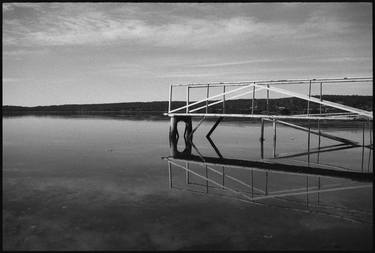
column 269, row 180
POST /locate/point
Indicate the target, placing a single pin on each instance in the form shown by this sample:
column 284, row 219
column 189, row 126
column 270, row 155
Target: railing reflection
column 244, row 186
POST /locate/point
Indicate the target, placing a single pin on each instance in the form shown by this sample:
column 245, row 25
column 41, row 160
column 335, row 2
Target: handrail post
column 308, row 101
column 224, row 99
column 268, row 96
column 253, row 100
column 170, row 98
column 274, row 137
column 187, row 98
column 321, row 97
column 207, row 95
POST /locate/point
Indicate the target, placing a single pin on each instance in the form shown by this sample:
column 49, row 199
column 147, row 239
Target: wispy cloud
column 12, row 6
column 13, row 80
column 97, row 29
column 316, row 59
column 234, row 63
column 22, row 52
column 94, row 27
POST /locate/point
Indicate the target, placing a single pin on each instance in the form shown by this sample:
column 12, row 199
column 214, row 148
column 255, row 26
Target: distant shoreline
column 158, row 115
column 155, row 109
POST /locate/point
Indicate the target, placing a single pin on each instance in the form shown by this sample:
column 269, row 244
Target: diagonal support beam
column 197, row 126
column 288, row 155
column 332, row 137
column 214, row 146
column 214, row 126
column 210, row 98
column 222, row 100
column 323, row 102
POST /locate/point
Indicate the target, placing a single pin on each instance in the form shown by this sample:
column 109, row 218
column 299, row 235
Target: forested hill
column 278, row 106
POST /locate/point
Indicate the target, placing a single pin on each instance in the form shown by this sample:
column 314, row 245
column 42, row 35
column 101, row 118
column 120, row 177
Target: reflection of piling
column 363, row 145
column 252, row 183
column 274, row 137
column 174, row 135
column 262, row 131
column 206, row 179
column 223, row 176
column 308, row 145
column 262, row 139
column 187, row 174
column 266, row 190
column 170, row 175
column 371, row 146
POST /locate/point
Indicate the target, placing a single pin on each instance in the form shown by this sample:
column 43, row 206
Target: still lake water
column 94, row 183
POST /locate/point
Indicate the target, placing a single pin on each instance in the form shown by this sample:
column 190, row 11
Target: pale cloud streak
column 317, row 59
column 13, row 80
column 93, row 27
column 96, row 29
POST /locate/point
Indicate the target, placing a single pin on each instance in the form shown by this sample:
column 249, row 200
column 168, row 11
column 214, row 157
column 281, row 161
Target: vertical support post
column 262, row 139
column 321, row 98
column 274, row 137
column 187, row 174
column 207, row 96
column 320, row 113
column 308, row 101
column 173, row 135
column 369, row 153
column 187, row 98
column 262, row 130
column 318, row 155
column 206, row 179
column 369, row 128
column 308, row 145
column 253, row 101
column 252, row 183
column 170, row 98
column 223, row 175
column 268, row 96
column 307, row 191
column 369, row 159
column 170, row 174
column 266, row 190
column 224, row 99
column 363, row 145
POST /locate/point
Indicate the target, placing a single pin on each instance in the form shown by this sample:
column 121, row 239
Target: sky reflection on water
column 100, row 183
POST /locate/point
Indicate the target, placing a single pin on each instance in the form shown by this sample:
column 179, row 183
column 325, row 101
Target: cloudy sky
column 61, row 53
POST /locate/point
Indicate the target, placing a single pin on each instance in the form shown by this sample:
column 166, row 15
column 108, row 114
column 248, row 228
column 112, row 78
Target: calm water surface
column 99, row 183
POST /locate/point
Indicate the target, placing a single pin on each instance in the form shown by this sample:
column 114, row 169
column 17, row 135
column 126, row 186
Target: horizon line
column 30, row 106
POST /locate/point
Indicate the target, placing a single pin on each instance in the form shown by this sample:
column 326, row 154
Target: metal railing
column 251, row 87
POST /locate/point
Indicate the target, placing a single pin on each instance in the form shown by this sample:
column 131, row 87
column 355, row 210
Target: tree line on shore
column 282, row 106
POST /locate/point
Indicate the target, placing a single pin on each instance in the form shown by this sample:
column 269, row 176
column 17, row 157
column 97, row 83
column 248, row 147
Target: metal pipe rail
column 285, row 82
column 248, row 87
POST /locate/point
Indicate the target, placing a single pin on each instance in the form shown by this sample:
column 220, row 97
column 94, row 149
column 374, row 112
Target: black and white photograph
column 202, row 126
